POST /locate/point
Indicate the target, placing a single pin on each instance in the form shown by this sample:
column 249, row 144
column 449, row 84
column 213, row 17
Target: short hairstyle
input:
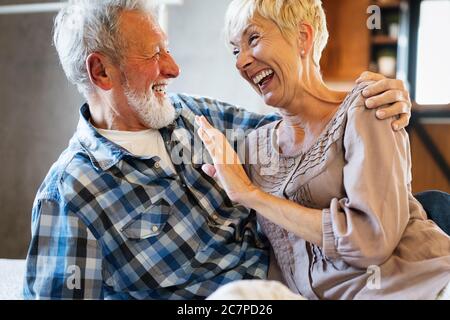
column 87, row 26
column 286, row 14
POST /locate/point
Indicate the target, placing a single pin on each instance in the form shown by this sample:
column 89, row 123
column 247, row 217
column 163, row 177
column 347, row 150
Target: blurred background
column 39, row 108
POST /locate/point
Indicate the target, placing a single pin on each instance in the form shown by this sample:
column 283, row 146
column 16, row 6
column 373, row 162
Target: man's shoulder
column 198, row 103
column 72, row 163
column 222, row 115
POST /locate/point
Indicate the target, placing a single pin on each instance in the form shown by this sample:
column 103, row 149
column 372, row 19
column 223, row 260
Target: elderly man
column 118, row 216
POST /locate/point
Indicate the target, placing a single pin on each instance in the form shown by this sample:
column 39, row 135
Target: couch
column 11, row 279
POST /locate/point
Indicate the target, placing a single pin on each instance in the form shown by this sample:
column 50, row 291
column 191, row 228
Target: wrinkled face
column 268, row 61
column 146, row 70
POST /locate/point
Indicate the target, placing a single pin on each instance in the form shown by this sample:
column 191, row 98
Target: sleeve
column 223, row 115
column 365, row 227
column 64, row 259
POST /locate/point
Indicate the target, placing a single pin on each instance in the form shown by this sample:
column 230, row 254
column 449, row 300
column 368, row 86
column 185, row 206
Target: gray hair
column 87, row 26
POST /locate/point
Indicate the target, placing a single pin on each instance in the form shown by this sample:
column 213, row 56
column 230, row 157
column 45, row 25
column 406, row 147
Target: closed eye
column 156, row 54
column 252, row 40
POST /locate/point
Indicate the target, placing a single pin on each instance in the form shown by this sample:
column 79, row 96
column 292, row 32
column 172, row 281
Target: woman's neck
column 306, row 117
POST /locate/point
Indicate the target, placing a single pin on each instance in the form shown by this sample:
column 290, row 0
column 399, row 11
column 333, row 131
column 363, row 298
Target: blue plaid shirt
column 110, row 225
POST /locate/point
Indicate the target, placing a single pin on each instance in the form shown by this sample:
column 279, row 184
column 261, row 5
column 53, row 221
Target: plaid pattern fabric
column 109, row 225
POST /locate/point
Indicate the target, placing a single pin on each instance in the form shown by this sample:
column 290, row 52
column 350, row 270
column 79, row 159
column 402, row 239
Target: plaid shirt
column 109, row 225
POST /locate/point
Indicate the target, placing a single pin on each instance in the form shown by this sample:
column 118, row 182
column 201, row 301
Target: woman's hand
column 304, row 222
column 390, row 94
column 227, row 166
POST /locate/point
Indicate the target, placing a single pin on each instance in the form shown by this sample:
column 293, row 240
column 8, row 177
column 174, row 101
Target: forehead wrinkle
column 133, row 25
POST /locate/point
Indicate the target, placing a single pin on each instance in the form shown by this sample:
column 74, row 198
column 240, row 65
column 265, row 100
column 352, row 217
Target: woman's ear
column 96, row 65
column 305, row 39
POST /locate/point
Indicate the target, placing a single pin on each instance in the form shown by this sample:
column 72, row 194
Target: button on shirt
column 107, row 224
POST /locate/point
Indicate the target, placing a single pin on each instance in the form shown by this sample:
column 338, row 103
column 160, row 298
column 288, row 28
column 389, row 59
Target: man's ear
column 98, row 72
column 305, row 39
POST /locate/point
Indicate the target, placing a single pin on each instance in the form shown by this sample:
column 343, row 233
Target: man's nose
column 168, row 67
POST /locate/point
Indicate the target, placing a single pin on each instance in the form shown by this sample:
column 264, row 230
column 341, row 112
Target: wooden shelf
column 345, row 60
column 387, row 5
column 384, row 40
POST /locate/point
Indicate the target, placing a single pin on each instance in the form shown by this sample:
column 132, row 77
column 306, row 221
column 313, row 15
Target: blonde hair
column 286, row 14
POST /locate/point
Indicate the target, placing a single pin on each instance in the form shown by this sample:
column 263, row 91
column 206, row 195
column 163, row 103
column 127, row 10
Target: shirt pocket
column 162, row 245
column 147, row 224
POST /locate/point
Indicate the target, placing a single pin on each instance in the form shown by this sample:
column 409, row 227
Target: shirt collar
column 104, row 153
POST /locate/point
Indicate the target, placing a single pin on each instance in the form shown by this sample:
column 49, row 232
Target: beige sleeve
column 366, row 226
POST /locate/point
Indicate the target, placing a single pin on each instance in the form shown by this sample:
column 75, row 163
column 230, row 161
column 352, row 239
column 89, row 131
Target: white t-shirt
column 146, row 143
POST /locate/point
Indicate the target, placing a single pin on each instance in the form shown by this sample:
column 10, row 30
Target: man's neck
column 110, row 116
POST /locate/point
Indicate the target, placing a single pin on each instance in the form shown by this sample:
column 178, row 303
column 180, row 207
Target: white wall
column 39, row 112
column 207, row 65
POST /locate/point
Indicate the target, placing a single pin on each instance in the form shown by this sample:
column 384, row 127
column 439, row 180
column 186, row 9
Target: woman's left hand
column 227, row 166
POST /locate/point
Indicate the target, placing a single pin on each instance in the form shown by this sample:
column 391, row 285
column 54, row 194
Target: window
column 433, row 53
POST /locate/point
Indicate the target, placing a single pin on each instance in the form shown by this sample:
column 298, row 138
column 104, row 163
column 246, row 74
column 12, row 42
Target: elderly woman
column 330, row 185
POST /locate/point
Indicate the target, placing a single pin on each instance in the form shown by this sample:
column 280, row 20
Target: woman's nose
column 244, row 60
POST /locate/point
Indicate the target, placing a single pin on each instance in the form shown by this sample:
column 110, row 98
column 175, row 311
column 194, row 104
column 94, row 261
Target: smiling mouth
column 160, row 87
column 263, row 77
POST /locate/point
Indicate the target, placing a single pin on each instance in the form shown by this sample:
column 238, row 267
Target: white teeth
column 160, row 87
column 257, row 79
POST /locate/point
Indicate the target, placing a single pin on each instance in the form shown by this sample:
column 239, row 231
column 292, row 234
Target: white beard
column 154, row 113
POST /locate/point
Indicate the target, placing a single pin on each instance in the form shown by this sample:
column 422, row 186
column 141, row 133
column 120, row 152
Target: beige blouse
column 377, row 241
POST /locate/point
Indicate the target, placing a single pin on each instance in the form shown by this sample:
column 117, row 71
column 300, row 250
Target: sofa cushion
column 11, row 275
